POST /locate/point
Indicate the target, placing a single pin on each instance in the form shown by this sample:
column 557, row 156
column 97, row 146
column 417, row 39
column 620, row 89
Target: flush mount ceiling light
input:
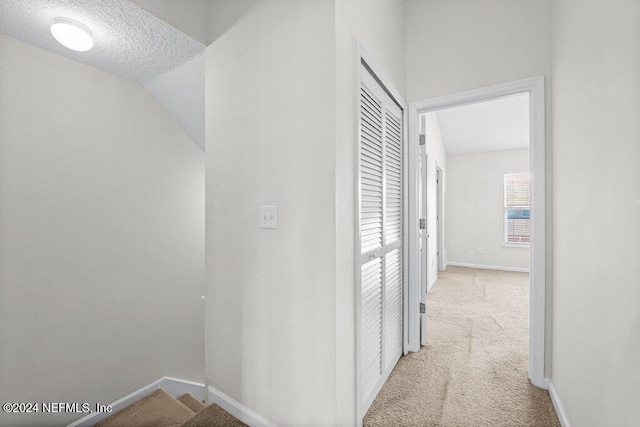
column 72, row 34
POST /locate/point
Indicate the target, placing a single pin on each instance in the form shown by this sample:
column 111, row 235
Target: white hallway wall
column 280, row 335
column 101, row 256
column 475, row 215
column 596, row 105
column 270, row 140
column 436, row 157
column 453, row 46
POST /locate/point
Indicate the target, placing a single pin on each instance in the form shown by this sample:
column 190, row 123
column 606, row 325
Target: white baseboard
column 173, row 386
column 237, row 409
column 488, row 267
column 431, row 284
column 557, row 404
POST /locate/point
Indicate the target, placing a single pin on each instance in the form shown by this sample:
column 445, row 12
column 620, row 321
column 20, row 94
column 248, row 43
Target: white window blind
column 517, row 208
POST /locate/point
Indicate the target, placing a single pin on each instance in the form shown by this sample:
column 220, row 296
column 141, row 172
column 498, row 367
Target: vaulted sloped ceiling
column 189, row 16
column 129, row 42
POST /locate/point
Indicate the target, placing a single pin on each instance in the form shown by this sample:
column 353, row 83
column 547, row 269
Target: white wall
column 270, row 140
column 460, row 45
column 596, row 105
column 223, row 15
column 475, row 214
column 454, row 46
column 379, row 27
column 281, row 129
column 101, row 218
column 436, row 158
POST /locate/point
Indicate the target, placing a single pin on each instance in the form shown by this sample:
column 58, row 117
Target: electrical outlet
column 480, row 251
column 268, row 217
column 465, row 250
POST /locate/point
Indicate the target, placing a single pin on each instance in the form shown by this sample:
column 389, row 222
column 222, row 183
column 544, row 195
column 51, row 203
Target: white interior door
column 381, row 235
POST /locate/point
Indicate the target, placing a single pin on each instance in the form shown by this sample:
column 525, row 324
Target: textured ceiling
column 501, row 124
column 181, row 91
column 189, row 16
column 129, row 42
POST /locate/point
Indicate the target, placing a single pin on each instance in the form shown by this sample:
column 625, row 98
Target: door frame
column 363, row 58
column 439, row 218
column 424, row 236
column 535, row 87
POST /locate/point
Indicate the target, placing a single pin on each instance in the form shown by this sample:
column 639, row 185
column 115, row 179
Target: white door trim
column 424, row 236
column 440, row 216
column 535, row 87
column 362, row 57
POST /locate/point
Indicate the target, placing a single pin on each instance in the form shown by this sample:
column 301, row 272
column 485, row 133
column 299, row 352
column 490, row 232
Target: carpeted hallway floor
column 473, row 372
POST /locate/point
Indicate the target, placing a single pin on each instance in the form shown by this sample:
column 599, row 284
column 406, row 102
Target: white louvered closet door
column 381, row 242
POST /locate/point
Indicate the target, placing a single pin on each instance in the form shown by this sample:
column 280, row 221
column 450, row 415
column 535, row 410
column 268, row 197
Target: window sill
column 517, row 245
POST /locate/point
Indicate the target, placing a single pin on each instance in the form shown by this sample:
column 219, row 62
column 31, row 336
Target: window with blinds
column 517, row 208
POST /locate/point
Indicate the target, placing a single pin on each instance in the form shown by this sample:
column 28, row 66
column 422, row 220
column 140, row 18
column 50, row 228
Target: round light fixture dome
column 72, row 34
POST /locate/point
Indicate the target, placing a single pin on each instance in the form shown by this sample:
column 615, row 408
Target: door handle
column 373, row 256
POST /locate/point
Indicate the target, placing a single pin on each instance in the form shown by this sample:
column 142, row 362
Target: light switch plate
column 268, row 217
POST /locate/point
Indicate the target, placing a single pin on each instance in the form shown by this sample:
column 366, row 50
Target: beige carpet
column 473, row 372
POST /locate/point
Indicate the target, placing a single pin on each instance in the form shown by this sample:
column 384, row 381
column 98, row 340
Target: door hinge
column 423, row 224
column 423, row 308
column 423, row 140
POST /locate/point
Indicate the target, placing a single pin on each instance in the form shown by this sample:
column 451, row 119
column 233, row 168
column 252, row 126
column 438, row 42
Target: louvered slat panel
column 381, row 204
column 371, row 128
column 371, row 324
column 393, row 307
column 393, row 176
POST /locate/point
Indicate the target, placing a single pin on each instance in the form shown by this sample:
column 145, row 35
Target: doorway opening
column 516, row 218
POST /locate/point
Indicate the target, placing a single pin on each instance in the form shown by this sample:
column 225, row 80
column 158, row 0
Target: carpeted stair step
column 191, row 402
column 213, row 416
column 158, row 409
